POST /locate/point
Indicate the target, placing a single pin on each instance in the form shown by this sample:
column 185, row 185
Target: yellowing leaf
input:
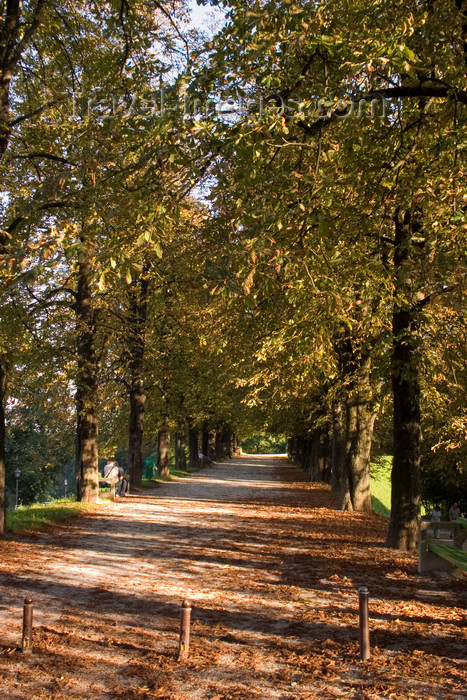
column 248, row 283
column 158, row 250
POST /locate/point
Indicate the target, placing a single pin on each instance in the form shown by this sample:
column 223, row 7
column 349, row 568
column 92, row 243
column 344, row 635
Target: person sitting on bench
column 110, row 470
column 122, row 481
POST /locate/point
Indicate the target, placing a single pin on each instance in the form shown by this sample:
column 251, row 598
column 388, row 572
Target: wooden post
column 184, row 644
column 364, row 627
column 26, row 644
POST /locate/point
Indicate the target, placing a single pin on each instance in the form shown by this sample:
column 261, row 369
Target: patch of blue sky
column 206, row 18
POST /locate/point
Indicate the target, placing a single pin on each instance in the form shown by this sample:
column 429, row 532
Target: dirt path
column 272, row 570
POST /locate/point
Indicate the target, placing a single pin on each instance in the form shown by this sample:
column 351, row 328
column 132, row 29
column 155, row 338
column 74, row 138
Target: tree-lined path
column 272, row 569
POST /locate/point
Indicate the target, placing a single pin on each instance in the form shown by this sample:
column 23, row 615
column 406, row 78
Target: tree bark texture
column 354, row 362
column 292, row 448
column 360, row 418
column 319, row 465
column 297, row 446
column 219, row 444
column 138, row 298
column 405, row 479
column 2, row 449
column 307, row 456
column 205, row 439
column 212, row 454
column 164, row 447
column 87, row 386
column 337, row 448
column 227, row 442
column 135, row 431
column 193, row 450
column 180, row 448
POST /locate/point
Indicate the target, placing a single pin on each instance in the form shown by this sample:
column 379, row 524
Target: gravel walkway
column 271, row 568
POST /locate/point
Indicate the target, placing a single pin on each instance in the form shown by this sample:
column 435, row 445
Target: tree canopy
column 262, row 230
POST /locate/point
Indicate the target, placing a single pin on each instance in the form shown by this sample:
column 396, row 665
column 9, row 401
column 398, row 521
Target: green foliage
column 265, row 444
column 36, row 443
column 444, row 453
column 40, row 516
column 444, row 479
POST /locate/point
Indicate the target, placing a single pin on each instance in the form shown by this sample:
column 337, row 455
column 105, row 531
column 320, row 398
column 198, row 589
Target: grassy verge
column 380, row 485
column 155, row 481
column 40, row 515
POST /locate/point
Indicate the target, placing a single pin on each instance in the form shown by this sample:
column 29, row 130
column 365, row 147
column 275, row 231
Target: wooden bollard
column 364, row 626
column 184, row 644
column 26, row 644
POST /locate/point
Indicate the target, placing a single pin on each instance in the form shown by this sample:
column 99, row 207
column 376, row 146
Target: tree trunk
column 227, row 442
column 360, row 419
column 2, row 449
column 164, row 446
column 193, row 459
column 135, row 432
column 205, row 439
column 354, row 362
column 337, row 448
column 212, row 454
column 320, row 465
column 5, row 129
column 136, row 342
column 180, row 444
column 219, row 445
column 299, row 451
column 307, row 457
column 87, row 386
column 405, row 479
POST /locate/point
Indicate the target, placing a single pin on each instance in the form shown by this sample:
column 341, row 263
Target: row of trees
column 295, row 249
column 102, row 300
column 341, row 201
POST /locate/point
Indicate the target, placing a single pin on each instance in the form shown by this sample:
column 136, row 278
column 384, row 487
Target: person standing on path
column 436, row 518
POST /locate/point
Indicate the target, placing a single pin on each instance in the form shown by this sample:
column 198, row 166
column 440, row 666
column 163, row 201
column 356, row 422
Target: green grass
column 155, row 481
column 380, row 485
column 41, row 515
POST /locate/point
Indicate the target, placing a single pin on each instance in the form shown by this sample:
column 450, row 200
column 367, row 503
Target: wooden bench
column 442, row 545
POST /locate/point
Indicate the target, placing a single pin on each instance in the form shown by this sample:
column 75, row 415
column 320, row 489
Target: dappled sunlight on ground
column 272, row 570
